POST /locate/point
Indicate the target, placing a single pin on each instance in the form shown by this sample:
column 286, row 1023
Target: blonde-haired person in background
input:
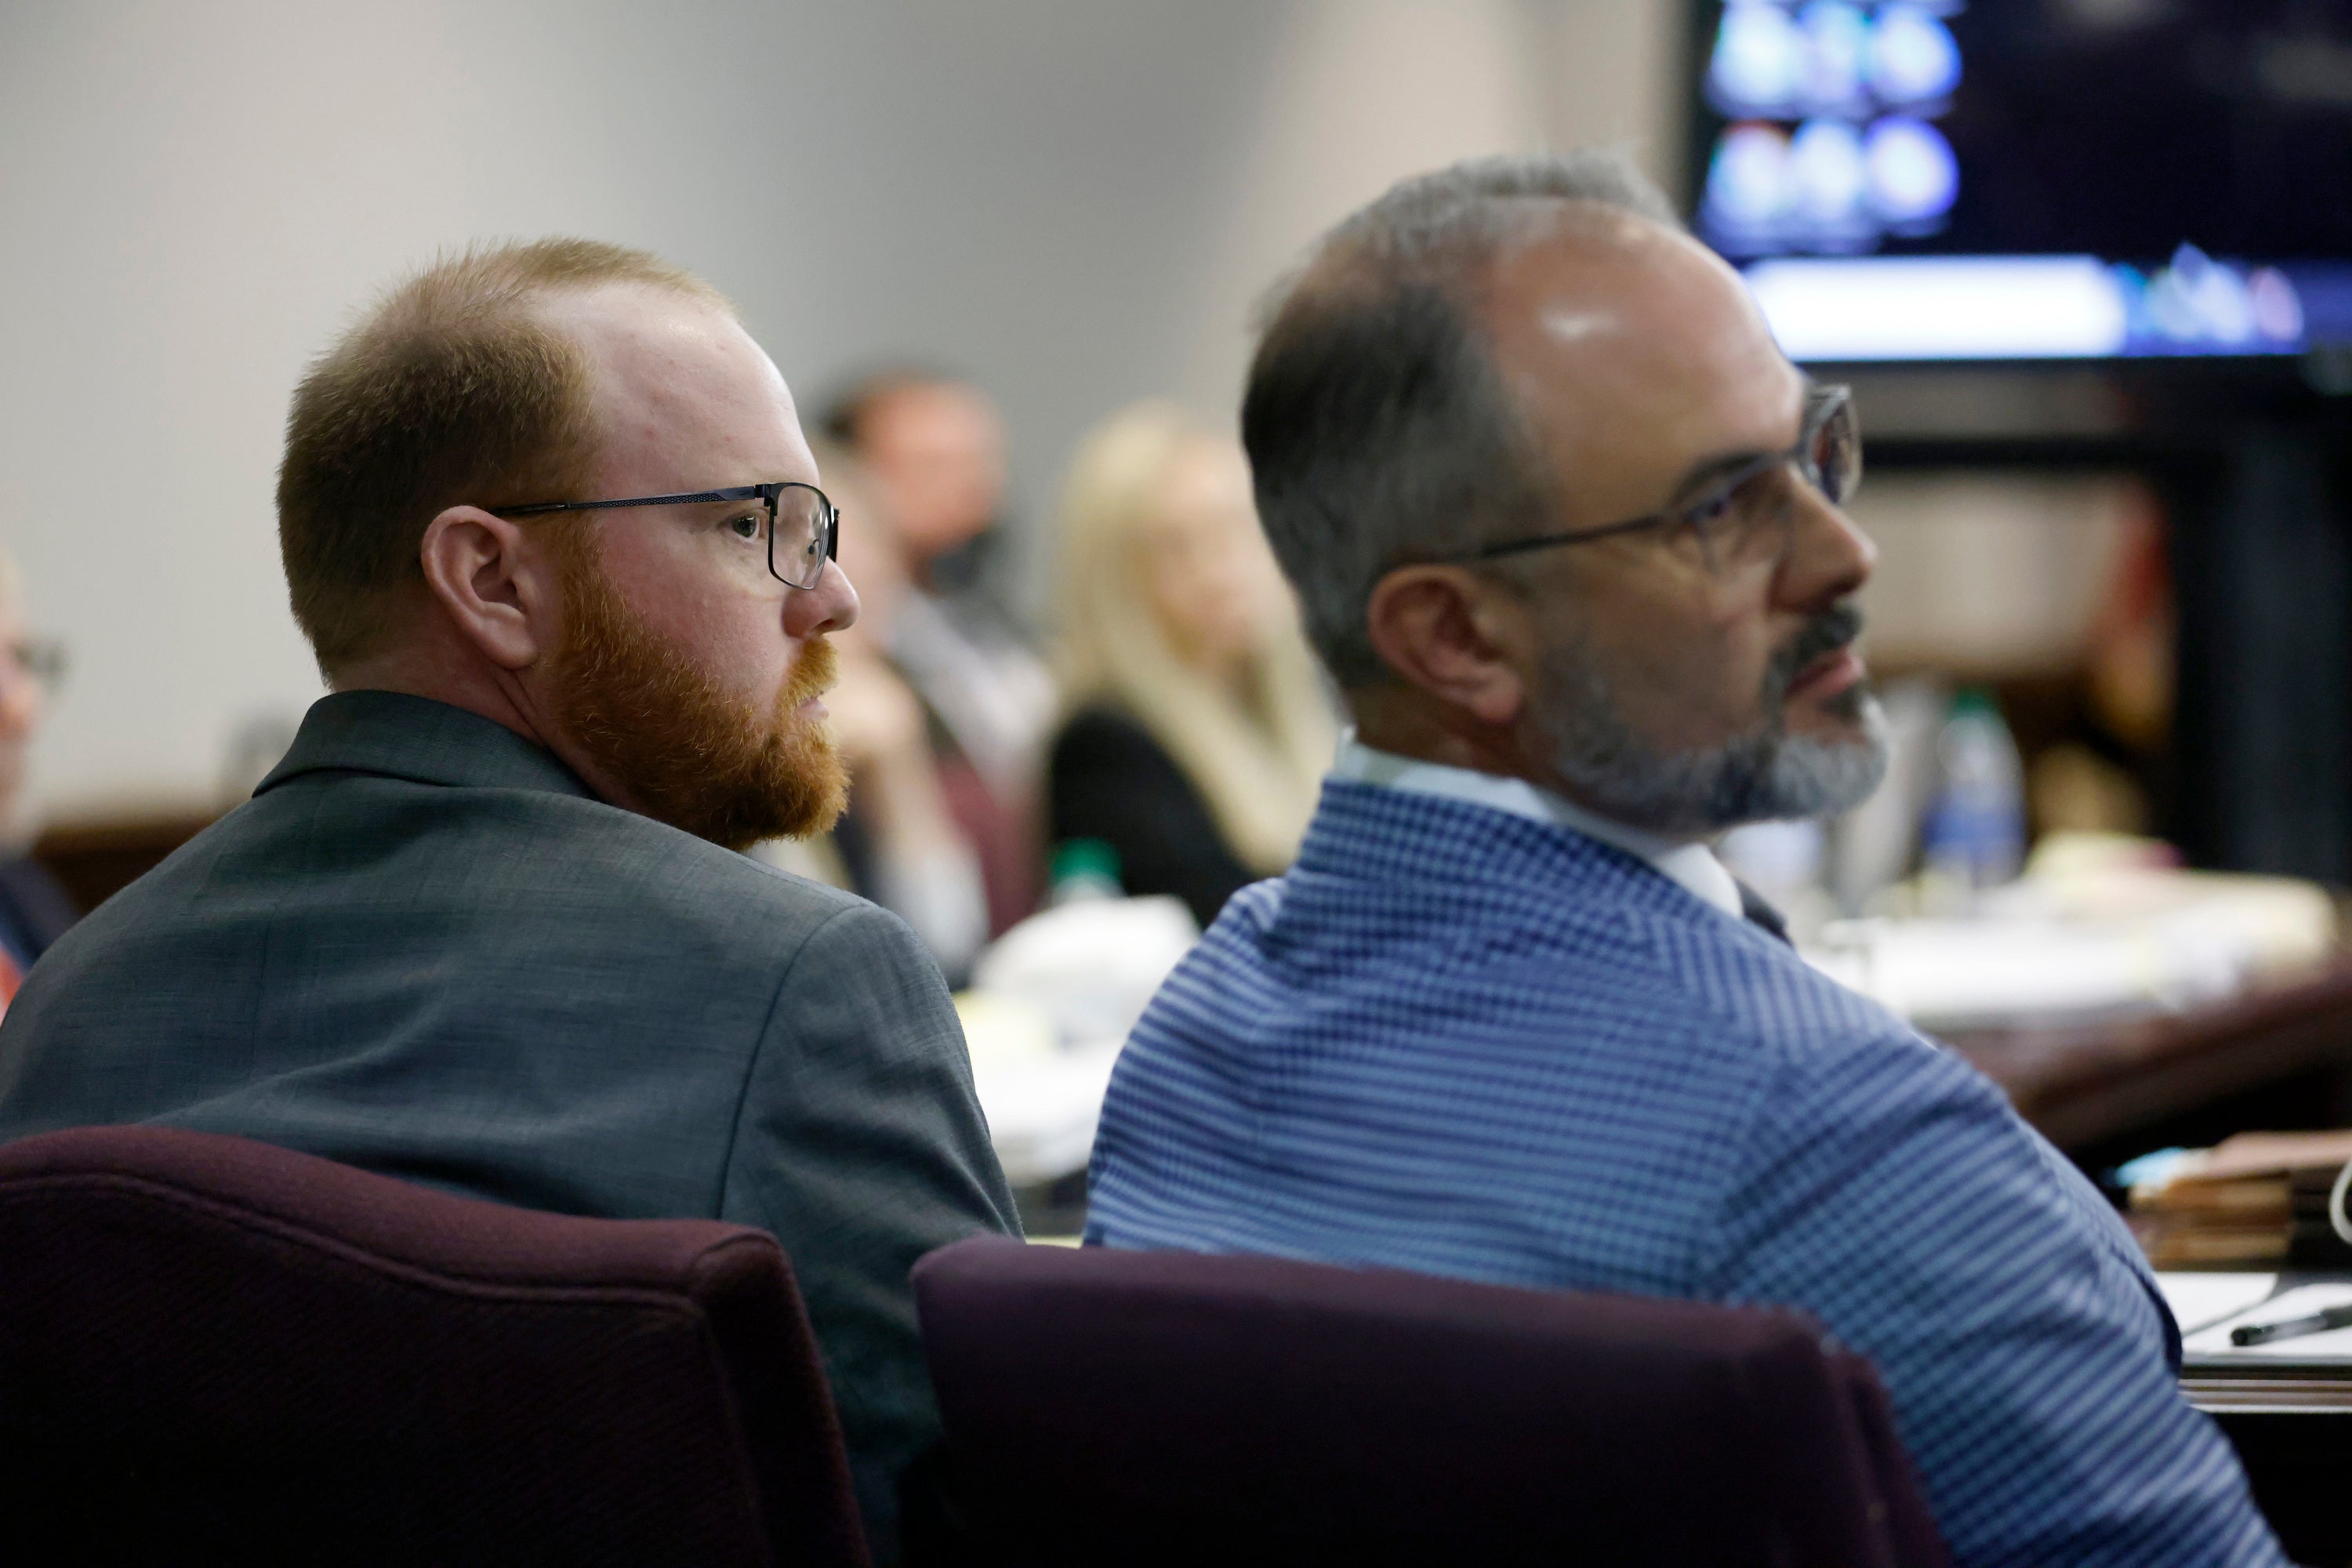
column 1198, row 732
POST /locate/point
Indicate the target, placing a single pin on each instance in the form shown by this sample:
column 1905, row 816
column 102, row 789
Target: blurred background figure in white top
column 898, row 844
column 935, row 450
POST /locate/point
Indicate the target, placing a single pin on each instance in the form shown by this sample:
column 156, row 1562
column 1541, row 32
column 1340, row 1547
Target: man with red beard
column 549, row 523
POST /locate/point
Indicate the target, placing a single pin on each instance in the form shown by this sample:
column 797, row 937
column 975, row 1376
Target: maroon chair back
column 1163, row 1407
column 214, row 1350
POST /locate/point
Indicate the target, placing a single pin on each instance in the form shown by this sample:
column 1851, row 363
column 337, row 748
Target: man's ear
column 497, row 590
column 1446, row 632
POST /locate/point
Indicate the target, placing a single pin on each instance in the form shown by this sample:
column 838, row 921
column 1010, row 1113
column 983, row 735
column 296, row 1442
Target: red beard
column 686, row 753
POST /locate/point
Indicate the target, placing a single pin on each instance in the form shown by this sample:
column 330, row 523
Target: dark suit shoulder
column 685, row 877
column 523, row 856
column 578, row 975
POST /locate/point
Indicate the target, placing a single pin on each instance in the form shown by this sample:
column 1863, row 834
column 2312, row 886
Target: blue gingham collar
column 1693, row 866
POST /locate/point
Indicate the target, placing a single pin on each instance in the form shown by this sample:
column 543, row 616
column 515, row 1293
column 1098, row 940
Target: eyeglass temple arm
column 1516, row 546
column 744, row 494
column 1824, row 401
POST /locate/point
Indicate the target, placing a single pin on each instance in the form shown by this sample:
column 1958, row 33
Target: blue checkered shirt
column 1454, row 1040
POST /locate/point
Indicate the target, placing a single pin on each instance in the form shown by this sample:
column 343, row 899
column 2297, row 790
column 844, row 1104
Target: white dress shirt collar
column 1693, row 866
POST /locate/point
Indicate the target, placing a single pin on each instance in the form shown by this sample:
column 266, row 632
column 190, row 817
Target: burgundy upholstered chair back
column 1162, row 1407
column 214, row 1350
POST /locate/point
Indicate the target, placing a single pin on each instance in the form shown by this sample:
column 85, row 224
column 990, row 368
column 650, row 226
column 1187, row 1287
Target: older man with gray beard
column 1565, row 526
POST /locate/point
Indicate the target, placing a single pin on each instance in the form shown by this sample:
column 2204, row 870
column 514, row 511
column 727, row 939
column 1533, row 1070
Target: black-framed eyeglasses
column 798, row 524
column 1742, row 516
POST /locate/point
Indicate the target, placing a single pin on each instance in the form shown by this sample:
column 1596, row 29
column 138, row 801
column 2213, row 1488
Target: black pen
column 2317, row 1323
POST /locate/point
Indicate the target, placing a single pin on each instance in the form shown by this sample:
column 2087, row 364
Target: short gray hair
column 1378, row 430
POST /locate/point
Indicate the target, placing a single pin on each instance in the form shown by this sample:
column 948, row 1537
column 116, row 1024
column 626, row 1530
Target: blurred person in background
column 934, row 448
column 2109, row 767
column 34, row 909
column 898, row 842
column 1198, row 732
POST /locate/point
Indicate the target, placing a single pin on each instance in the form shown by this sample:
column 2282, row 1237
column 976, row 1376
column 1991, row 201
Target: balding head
column 458, row 387
column 1377, row 421
column 1624, row 351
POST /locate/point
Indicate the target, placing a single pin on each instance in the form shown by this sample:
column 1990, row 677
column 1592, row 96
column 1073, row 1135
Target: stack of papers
column 2259, row 1197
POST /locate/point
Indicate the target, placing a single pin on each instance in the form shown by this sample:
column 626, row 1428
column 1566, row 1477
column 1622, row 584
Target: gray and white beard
column 1764, row 774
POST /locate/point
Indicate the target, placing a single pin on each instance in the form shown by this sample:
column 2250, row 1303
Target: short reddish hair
column 450, row 391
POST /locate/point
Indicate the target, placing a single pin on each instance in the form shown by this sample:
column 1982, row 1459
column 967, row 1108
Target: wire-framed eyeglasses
column 799, row 526
column 1742, row 516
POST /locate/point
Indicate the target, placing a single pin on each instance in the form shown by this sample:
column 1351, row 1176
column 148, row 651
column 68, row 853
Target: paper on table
column 2334, row 1345
column 1041, row 1113
column 2201, row 1300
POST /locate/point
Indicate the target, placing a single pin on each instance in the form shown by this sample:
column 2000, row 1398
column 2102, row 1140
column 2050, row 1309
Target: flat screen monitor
column 1929, row 180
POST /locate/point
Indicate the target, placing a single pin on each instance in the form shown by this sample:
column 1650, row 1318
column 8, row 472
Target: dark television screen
column 2032, row 178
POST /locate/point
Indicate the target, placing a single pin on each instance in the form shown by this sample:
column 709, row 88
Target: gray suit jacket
column 425, row 948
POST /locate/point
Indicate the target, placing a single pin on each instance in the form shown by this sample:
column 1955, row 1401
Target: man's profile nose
column 830, row 606
column 1829, row 556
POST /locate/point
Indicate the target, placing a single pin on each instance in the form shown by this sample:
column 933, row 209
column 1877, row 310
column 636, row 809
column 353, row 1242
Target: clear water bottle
column 1084, row 869
column 1975, row 833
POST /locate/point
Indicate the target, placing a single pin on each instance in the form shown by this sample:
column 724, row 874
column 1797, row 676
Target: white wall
column 1073, row 200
